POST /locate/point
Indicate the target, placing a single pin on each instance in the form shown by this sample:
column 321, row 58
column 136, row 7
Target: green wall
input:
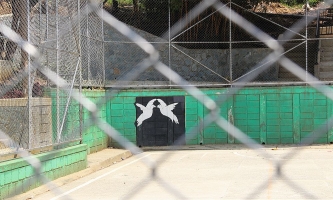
column 91, row 134
column 17, row 176
column 95, row 138
column 269, row 115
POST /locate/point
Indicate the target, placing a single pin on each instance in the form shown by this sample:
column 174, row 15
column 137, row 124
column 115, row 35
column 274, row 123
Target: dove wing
column 139, row 120
column 172, row 116
column 172, row 106
column 140, row 106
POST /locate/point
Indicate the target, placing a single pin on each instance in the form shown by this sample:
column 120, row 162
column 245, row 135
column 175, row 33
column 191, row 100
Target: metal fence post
column 57, row 66
column 30, row 79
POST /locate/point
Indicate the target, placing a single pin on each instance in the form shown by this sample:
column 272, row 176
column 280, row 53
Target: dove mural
column 147, row 111
column 160, row 120
column 166, row 110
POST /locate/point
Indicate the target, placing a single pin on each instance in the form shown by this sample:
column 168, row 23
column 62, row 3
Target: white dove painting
column 166, row 110
column 147, row 111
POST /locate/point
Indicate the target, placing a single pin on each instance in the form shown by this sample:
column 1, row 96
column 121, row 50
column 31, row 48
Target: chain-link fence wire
column 211, row 49
column 64, row 84
column 60, row 32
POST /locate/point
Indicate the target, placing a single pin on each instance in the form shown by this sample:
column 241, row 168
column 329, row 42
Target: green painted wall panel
column 220, row 135
column 14, row 174
column 286, row 134
column 289, row 140
column 283, row 114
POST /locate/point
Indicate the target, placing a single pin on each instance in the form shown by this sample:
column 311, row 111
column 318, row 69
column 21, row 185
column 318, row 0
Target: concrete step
column 326, row 36
column 326, row 49
column 326, row 58
column 325, row 69
column 326, row 64
column 326, row 43
column 326, row 55
column 326, row 75
column 324, row 72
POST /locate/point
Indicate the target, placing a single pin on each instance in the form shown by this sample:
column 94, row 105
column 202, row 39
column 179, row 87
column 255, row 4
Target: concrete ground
column 205, row 172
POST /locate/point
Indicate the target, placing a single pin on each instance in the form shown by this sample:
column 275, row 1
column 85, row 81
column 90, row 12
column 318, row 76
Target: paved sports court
column 221, row 173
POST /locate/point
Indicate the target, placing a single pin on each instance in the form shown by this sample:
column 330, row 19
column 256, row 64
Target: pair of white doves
column 147, row 111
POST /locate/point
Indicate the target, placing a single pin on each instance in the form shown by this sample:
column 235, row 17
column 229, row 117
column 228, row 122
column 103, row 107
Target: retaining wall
column 268, row 115
column 17, row 176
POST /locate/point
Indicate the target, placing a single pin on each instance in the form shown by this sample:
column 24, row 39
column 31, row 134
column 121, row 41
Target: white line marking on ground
column 183, row 157
column 204, row 155
column 99, row 177
column 238, row 154
column 274, row 157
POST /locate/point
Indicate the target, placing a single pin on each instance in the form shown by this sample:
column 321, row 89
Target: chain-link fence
column 70, row 44
column 51, row 50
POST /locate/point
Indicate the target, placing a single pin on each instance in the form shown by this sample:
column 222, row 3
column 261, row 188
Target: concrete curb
column 92, row 167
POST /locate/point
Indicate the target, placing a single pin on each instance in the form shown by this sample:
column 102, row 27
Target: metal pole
column 40, row 22
column 47, row 21
column 230, row 45
column 29, row 78
column 88, row 49
column 306, row 41
column 169, row 7
column 68, row 101
column 57, row 66
column 103, row 53
column 80, row 70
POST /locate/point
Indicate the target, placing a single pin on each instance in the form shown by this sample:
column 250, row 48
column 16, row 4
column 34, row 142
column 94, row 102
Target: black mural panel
column 160, row 121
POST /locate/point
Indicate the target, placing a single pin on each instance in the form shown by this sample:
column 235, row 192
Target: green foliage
column 122, row 2
column 314, row 2
column 298, row 2
column 125, row 2
column 175, row 5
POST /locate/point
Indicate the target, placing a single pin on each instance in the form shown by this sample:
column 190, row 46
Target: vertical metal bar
column 57, row 66
column 47, row 20
column 306, row 41
column 40, row 22
column 230, row 46
column 29, row 78
column 103, row 49
column 80, row 70
column 88, row 49
column 169, row 43
column 68, row 100
column 318, row 21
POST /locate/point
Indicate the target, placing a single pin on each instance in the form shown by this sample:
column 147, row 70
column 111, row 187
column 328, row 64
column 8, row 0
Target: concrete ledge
column 17, row 176
column 96, row 161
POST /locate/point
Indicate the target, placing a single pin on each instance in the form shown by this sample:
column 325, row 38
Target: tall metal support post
column 57, row 66
column 103, row 53
column 306, row 41
column 26, row 18
column 230, row 45
column 80, row 68
column 88, row 49
column 169, row 34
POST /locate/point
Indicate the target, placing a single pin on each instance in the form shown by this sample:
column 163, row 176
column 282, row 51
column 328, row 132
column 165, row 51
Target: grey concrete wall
column 195, row 65
column 14, row 120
